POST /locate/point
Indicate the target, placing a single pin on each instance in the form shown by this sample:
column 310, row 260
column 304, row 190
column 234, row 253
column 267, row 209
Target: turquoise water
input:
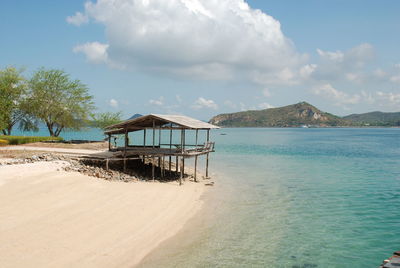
column 294, row 198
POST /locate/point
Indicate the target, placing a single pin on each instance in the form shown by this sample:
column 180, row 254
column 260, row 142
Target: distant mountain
column 135, row 116
column 294, row 115
column 374, row 119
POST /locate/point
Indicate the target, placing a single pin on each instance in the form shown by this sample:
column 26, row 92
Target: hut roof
column 160, row 120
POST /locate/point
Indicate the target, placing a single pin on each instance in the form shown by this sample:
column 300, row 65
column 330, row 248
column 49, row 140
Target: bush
column 4, row 142
column 16, row 140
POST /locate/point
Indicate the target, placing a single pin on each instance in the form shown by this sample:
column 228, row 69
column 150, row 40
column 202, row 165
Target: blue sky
column 201, row 58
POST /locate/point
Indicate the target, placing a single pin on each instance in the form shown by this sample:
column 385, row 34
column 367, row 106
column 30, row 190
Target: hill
column 374, row 119
column 294, row 115
column 135, row 116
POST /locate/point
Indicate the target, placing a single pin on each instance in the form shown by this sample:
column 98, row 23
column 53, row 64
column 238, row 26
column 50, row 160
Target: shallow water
column 296, row 198
column 293, row 198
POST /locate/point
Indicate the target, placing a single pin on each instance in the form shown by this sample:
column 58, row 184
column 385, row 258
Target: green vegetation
column 13, row 102
column 16, row 140
column 59, row 101
column 3, row 142
column 102, row 120
column 294, row 115
column 300, row 114
column 49, row 96
column 375, row 119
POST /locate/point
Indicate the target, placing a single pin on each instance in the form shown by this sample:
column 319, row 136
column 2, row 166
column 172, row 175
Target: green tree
column 13, row 101
column 103, row 120
column 60, row 102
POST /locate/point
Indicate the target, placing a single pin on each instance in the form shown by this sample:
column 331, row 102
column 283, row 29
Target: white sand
column 51, row 218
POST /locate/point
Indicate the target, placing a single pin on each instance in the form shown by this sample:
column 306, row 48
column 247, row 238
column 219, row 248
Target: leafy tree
column 61, row 103
column 103, row 120
column 13, row 102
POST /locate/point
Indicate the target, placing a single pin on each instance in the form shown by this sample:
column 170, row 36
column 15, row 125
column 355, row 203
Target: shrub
column 16, row 140
column 4, row 142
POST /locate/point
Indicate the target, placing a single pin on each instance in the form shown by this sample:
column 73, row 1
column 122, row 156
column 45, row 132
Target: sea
column 293, row 197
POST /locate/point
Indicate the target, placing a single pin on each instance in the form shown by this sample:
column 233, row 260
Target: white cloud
column 337, row 56
column 338, row 97
column 265, row 105
column 201, row 103
column 307, row 70
column 266, row 92
column 389, row 98
column 178, row 98
column 395, row 78
column 78, row 19
column 113, row 103
column 230, row 104
column 95, row 52
column 243, row 107
column 367, row 97
column 197, row 39
column 379, row 73
column 157, row 102
column 348, row 65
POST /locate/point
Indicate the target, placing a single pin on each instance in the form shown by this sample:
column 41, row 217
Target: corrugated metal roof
column 146, row 121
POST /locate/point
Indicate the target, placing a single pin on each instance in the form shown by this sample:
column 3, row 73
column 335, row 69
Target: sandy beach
column 53, row 218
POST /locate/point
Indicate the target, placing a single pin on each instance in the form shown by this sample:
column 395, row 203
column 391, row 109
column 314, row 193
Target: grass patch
column 3, row 142
column 16, row 140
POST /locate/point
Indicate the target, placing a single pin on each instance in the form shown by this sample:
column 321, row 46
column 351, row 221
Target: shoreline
column 65, row 219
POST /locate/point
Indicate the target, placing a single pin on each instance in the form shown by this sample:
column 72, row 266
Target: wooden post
column 126, row 146
column 170, row 149
column 195, row 168
column 162, row 166
column 207, row 157
column 181, row 176
column 109, row 142
column 152, row 164
column 177, row 164
column 107, row 164
column 197, row 135
column 183, row 151
column 144, row 145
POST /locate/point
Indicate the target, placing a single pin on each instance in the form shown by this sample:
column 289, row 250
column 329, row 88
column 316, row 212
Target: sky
column 205, row 57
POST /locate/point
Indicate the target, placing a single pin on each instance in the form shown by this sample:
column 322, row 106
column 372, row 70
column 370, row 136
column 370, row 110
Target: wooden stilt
column 197, row 136
column 162, row 167
column 195, row 168
column 176, row 164
column 181, row 176
column 154, row 140
column 126, row 146
column 170, row 148
column 207, row 157
column 107, row 164
column 144, row 145
column 183, row 150
column 152, row 169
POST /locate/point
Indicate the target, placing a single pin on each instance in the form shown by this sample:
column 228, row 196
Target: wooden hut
column 161, row 149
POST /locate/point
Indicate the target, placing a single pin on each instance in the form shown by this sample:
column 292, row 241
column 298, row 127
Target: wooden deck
column 157, row 151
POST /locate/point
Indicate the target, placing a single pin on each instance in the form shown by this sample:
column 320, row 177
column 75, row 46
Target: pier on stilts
column 156, row 152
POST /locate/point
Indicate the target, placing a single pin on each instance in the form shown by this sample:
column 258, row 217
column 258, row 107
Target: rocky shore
column 74, row 165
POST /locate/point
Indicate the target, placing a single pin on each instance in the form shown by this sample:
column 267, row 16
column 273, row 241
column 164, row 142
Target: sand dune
column 51, row 218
